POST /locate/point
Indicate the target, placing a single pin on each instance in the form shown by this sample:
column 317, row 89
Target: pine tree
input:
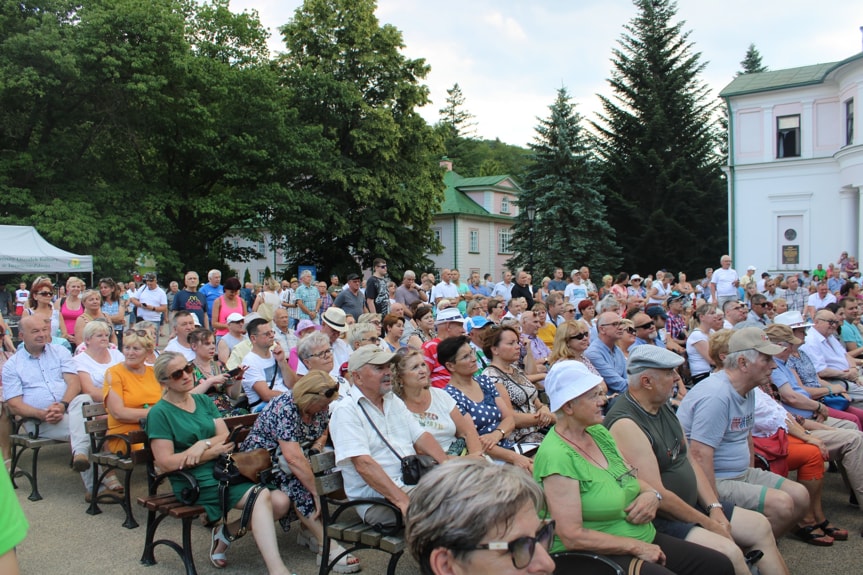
column 570, row 227
column 751, row 62
column 455, row 116
column 658, row 139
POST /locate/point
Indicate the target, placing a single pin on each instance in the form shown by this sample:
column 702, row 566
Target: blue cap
column 475, row 322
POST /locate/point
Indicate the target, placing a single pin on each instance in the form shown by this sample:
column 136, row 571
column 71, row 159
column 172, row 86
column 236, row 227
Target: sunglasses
column 138, row 332
column 578, row 336
column 328, row 393
column 45, row 293
column 177, row 375
column 523, row 548
column 647, row 325
column 630, row 330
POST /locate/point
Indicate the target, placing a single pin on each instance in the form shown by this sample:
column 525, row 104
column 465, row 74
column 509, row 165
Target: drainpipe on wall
column 454, row 242
column 731, row 175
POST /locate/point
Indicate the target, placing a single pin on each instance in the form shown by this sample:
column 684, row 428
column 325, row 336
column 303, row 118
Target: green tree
column 751, row 62
column 459, row 120
column 570, row 227
column 378, row 183
column 658, row 141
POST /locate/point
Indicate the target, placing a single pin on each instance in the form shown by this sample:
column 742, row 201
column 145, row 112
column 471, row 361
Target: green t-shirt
column 463, row 288
column 13, row 524
column 603, row 497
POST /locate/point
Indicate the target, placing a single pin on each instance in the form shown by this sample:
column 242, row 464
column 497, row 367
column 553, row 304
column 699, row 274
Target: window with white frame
column 504, row 238
column 473, row 244
column 504, row 205
column 437, row 234
column 788, row 136
column 261, row 276
column 262, row 248
column 849, row 122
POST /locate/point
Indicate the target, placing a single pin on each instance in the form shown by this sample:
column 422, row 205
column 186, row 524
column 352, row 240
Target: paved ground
column 64, row 539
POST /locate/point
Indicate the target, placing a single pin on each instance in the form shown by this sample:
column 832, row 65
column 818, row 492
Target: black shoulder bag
column 413, row 466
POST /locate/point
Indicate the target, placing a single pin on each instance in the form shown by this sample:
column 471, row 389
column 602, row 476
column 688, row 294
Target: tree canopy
column 658, row 141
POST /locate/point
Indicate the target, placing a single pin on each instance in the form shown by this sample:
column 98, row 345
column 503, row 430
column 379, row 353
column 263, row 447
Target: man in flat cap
column 649, row 436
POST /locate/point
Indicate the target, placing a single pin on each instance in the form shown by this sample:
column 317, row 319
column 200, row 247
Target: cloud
column 506, row 25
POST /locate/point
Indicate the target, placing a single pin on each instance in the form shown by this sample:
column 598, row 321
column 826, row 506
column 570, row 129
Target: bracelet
column 502, row 434
column 713, row 506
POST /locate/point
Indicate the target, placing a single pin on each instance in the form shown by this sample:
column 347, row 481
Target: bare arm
column 376, row 478
column 702, row 456
column 464, row 428
column 168, row 460
column 427, row 444
column 87, row 385
column 299, row 464
column 217, row 308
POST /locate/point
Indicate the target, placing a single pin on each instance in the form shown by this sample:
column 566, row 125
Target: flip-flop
column 836, row 533
column 808, row 534
column 219, row 560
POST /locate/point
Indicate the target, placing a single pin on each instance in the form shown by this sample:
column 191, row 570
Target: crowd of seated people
column 603, row 411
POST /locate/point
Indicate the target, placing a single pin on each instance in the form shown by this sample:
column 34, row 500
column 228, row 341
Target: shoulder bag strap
column 378, row 431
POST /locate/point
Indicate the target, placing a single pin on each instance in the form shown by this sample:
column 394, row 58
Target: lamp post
column 531, row 214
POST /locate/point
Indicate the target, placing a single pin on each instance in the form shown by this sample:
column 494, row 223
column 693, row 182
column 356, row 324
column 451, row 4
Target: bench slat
column 91, row 410
column 326, row 484
column 96, row 426
column 370, row 537
column 26, row 441
column 337, row 530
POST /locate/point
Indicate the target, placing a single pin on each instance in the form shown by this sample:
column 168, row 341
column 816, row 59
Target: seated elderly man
column 604, row 354
column 370, row 461
column 40, row 381
column 831, row 359
column 448, row 323
column 718, row 416
column 649, row 436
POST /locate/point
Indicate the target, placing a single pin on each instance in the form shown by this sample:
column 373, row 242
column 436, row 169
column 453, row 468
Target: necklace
column 180, row 404
column 583, row 451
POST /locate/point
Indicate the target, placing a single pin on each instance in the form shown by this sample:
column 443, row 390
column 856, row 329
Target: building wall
column 808, row 206
column 485, row 260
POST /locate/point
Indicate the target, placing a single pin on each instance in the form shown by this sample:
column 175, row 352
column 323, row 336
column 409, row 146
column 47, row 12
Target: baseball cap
column 778, row 332
column 567, row 380
column 352, row 277
column 674, row 296
column 751, row 269
column 149, row 276
column 475, row 322
column 234, row 317
column 656, row 310
column 369, row 354
column 752, row 338
column 250, row 317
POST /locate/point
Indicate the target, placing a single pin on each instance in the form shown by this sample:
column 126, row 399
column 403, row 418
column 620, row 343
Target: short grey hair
column 213, row 272
column 605, row 303
column 305, row 273
column 750, row 355
column 95, row 327
column 306, row 346
column 409, row 274
column 358, row 331
column 459, row 503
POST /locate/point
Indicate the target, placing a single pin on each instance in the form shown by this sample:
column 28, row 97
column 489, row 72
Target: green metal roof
column 457, row 202
column 782, row 79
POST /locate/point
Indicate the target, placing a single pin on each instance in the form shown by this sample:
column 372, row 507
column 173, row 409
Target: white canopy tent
column 23, row 250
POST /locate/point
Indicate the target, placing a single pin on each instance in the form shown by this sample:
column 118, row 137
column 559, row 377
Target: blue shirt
column 39, row 379
column 783, row 375
column 834, row 284
column 610, row 364
column 638, row 341
column 212, row 294
column 852, row 334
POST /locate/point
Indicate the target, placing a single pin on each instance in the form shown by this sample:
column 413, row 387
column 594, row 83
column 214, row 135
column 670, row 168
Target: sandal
column 836, row 533
column 347, row 564
column 305, row 538
column 219, row 560
column 111, row 483
column 808, row 535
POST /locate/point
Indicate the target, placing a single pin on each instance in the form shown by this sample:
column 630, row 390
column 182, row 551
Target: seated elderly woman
column 502, row 347
column 570, row 341
column 593, row 494
column 316, row 352
column 363, row 333
column 434, row 409
column 293, row 422
column 471, row 516
column 186, row 432
column 91, row 300
column 479, row 398
column 96, row 358
column 130, row 388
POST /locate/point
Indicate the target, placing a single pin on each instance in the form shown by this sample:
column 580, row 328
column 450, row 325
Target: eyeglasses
column 375, row 340
column 382, row 265
column 636, row 281
column 138, row 332
column 578, row 336
column 323, row 354
column 630, row 330
column 647, row 325
column 328, row 393
column 569, row 311
column 614, row 324
column 45, row 293
column 178, row 374
column 829, row 321
column 523, row 548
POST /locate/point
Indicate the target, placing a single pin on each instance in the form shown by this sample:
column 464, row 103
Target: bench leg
column 32, row 477
column 188, row 559
column 394, row 559
column 94, row 492
column 324, row 550
column 147, row 558
column 130, row 522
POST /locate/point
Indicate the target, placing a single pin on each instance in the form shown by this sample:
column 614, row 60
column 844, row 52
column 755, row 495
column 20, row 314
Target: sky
column 511, row 56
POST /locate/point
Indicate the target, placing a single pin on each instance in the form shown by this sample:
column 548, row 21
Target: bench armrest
column 385, row 530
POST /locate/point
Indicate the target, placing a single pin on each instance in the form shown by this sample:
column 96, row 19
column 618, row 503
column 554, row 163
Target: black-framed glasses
column 578, row 336
column 614, row 324
column 45, row 293
column 569, row 311
column 177, row 374
column 829, row 321
column 382, row 265
column 374, row 339
column 323, row 354
column 631, row 330
column 328, row 393
column 647, row 325
column 521, row 550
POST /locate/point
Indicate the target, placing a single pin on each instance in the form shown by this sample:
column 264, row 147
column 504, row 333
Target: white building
column 795, row 170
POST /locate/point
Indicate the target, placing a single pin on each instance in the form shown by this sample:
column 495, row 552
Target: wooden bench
column 351, row 531
column 162, row 505
column 20, row 440
column 96, row 425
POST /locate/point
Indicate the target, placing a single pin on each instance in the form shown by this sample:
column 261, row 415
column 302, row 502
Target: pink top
column 70, row 315
column 225, row 311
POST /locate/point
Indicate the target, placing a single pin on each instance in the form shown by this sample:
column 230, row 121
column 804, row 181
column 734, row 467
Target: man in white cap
column 650, row 437
column 448, row 323
column 718, row 415
column 749, row 277
column 371, row 462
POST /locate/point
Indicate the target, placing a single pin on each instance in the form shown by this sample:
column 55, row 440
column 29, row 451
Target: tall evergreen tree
column 570, row 227
column 751, row 62
column 456, row 116
column 659, row 141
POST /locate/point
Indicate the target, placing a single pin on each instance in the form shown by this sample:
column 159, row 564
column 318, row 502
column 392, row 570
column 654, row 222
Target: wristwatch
column 658, row 495
column 208, row 444
column 713, row 506
column 65, row 406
